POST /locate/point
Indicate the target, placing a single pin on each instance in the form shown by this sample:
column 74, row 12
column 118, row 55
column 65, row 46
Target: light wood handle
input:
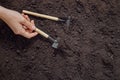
column 41, row 15
column 42, row 33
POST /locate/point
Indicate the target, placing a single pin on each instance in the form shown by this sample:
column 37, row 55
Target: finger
column 23, row 15
column 33, row 22
column 27, row 30
column 29, row 35
column 24, row 27
column 27, row 17
column 28, row 25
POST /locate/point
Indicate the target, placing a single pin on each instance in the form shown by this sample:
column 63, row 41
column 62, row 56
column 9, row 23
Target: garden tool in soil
column 55, row 42
column 66, row 20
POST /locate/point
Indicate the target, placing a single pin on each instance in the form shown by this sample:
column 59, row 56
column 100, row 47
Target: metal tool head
column 55, row 42
column 66, row 20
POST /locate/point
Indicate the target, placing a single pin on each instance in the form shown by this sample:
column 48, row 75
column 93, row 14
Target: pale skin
column 20, row 24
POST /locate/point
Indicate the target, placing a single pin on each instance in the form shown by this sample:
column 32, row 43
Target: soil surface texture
column 89, row 47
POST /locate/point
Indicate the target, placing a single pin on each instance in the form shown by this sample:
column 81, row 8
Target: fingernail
column 33, row 27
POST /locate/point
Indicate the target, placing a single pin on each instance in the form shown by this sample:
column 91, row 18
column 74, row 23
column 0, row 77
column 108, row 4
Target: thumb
column 28, row 25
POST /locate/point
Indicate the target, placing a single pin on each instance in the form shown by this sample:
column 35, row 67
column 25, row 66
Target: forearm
column 2, row 12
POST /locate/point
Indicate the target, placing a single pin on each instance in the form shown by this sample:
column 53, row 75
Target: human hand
column 18, row 23
column 28, row 19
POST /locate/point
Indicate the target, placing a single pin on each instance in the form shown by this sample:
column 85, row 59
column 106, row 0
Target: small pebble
column 7, row 60
column 32, row 57
column 17, row 51
column 24, row 50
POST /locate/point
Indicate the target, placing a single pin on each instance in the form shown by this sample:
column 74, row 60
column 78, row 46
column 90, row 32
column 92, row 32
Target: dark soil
column 90, row 48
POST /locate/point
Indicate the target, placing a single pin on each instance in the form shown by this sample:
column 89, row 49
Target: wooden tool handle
column 42, row 33
column 41, row 15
